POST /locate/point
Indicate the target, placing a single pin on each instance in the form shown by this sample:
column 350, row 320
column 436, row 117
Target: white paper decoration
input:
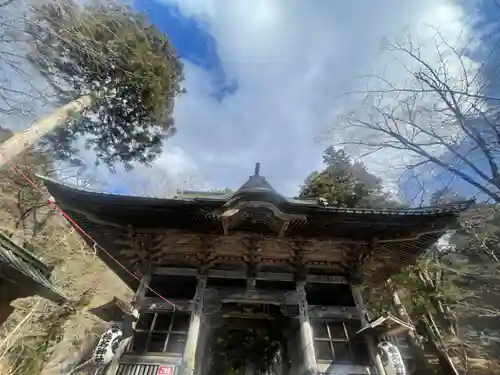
column 392, row 359
column 107, row 346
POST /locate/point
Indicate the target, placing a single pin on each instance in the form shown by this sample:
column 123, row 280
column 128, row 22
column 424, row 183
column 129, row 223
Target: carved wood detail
column 247, row 310
column 206, row 256
column 253, row 250
column 139, row 249
column 276, row 262
column 298, row 259
column 142, row 251
column 236, row 211
column 350, row 257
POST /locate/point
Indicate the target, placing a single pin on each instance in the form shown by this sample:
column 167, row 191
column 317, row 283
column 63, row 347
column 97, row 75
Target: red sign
column 165, row 370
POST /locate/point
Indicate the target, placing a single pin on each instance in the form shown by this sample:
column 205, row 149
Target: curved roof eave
column 71, row 193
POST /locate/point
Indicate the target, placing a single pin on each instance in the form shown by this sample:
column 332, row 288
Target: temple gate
column 251, row 270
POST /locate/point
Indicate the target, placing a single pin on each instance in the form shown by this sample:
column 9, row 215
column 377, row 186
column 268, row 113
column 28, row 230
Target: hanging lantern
column 391, row 358
column 107, row 346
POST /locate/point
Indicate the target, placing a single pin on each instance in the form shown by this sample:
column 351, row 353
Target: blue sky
column 193, row 43
column 263, row 79
column 487, row 16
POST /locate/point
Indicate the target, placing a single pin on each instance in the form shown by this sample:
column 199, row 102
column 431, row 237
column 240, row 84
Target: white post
column 306, row 333
column 189, row 358
column 370, row 340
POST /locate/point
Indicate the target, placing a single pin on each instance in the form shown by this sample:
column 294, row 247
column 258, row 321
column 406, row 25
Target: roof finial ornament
column 256, row 181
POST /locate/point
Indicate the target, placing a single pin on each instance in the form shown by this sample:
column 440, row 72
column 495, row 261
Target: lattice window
column 161, row 333
column 337, row 342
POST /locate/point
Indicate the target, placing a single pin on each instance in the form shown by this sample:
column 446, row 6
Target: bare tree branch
column 442, row 114
column 6, row 2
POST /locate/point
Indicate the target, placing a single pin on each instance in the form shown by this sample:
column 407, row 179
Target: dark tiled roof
column 308, row 219
column 201, row 201
column 20, row 265
column 401, row 234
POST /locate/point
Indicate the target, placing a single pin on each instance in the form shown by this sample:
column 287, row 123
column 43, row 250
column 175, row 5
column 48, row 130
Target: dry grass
column 80, row 275
column 40, row 337
column 482, row 366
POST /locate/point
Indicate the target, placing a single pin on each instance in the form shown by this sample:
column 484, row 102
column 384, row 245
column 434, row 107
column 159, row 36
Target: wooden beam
column 157, row 304
column 269, row 298
column 332, row 312
column 175, row 271
column 227, row 274
column 274, row 276
column 326, row 279
column 240, row 274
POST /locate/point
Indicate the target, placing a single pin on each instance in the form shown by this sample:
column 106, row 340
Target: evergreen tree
column 116, row 74
column 430, row 289
column 344, row 183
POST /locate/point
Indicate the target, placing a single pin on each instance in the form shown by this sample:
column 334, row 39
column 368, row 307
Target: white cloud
column 155, row 181
column 442, row 26
column 291, row 60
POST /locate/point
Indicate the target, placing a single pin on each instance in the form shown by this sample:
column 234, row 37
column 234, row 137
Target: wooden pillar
column 417, row 351
column 285, row 357
column 306, row 333
column 370, row 340
column 194, row 328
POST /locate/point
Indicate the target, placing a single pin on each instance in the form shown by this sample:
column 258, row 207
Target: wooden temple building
column 22, row 275
column 210, row 266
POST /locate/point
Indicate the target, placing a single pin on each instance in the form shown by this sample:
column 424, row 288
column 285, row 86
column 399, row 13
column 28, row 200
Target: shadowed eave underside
column 381, row 241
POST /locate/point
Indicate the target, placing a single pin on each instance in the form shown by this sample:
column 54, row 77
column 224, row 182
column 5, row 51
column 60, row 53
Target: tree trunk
column 413, row 341
column 19, row 142
column 445, row 316
column 446, row 364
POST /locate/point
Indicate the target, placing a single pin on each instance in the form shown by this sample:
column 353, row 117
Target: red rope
column 80, row 229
